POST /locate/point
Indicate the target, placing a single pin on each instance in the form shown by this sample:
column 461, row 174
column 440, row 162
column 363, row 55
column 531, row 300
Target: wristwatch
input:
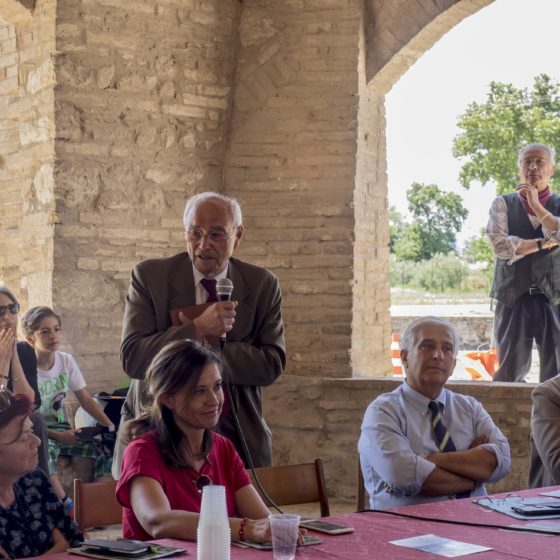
column 539, row 244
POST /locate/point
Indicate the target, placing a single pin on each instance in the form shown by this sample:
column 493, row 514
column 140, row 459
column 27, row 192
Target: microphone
column 224, row 287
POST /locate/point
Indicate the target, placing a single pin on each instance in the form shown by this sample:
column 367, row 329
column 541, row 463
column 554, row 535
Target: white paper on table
column 552, row 493
column 545, row 525
column 440, row 545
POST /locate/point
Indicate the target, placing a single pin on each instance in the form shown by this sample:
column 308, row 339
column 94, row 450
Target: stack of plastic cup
column 213, row 535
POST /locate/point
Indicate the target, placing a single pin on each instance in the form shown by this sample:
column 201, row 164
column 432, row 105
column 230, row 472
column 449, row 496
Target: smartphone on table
column 325, row 527
column 538, row 509
column 121, row 547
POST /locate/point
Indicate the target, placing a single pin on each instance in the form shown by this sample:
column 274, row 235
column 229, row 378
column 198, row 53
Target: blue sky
column 509, row 41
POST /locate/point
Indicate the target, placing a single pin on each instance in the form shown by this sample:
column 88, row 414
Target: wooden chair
column 95, row 504
column 294, row 484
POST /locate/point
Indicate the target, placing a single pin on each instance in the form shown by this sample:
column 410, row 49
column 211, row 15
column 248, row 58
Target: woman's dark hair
column 12, row 406
column 9, row 294
column 177, row 366
column 31, row 321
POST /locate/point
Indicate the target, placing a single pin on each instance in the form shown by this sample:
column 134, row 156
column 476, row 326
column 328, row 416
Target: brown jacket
column 254, row 351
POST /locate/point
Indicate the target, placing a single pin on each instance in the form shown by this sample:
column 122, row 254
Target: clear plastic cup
column 284, row 529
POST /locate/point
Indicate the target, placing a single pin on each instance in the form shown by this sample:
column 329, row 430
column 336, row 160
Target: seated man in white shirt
column 422, row 442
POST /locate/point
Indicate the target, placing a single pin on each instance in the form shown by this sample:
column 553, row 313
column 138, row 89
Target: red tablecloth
column 374, row 531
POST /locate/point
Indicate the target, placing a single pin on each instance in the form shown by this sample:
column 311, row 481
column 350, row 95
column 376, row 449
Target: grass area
column 411, row 296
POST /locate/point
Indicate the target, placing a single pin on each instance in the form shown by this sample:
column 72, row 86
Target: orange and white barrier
column 396, row 355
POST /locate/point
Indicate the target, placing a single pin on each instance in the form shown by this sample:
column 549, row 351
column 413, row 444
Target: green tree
column 478, row 250
column 494, row 131
column 437, row 217
column 397, row 227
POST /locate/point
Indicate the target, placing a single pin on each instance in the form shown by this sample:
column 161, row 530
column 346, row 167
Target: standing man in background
column 524, row 231
column 165, row 302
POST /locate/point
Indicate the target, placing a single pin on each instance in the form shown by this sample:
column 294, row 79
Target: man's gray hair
column 535, row 146
column 409, row 335
column 194, row 201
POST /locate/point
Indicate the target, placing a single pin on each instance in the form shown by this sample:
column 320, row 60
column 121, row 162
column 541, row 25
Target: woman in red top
column 174, row 453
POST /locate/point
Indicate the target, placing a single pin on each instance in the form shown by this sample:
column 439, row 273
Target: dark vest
column 540, row 269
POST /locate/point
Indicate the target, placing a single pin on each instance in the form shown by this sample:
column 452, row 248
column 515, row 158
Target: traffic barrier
column 396, row 355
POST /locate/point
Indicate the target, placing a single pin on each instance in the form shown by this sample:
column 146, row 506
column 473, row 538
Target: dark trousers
column 531, row 317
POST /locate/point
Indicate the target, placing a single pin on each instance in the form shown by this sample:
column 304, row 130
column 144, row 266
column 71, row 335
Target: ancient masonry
column 113, row 112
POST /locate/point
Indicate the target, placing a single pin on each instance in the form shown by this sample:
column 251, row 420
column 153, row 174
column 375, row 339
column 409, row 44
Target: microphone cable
column 224, row 289
column 271, row 502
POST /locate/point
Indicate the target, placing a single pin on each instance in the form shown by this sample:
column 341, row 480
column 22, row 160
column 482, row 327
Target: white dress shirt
column 397, row 435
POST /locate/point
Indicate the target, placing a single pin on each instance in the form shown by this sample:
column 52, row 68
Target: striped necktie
column 443, row 438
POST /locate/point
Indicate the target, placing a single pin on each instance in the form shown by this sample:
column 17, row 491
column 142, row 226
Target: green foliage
column 439, row 274
column 478, row 250
column 437, row 215
column 397, row 226
column 494, row 131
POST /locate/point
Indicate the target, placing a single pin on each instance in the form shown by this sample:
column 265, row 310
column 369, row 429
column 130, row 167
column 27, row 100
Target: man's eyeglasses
column 13, row 308
column 217, row 236
column 539, row 162
column 202, row 481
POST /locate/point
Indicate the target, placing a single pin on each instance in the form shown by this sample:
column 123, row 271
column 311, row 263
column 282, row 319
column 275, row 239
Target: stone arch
column 395, row 35
column 274, row 112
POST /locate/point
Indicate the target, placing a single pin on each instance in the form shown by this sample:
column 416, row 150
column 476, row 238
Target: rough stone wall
column 330, row 413
column 292, row 163
column 143, row 109
column 27, row 149
column 371, row 322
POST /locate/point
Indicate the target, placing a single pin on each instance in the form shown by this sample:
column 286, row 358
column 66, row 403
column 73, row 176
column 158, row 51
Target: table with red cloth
column 374, row 531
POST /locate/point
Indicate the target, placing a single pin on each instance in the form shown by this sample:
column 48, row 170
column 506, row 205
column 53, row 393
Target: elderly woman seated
column 175, row 452
column 32, row 518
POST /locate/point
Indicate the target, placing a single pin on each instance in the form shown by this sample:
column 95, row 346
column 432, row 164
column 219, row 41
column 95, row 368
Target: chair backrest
column 95, row 504
column 294, row 484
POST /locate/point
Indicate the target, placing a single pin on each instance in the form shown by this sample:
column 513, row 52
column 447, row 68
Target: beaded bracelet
column 242, row 529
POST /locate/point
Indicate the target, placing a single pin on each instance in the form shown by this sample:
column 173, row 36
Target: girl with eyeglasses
column 32, row 518
column 12, row 354
column 174, row 452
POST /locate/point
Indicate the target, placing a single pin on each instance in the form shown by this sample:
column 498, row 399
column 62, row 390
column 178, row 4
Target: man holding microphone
column 175, row 298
